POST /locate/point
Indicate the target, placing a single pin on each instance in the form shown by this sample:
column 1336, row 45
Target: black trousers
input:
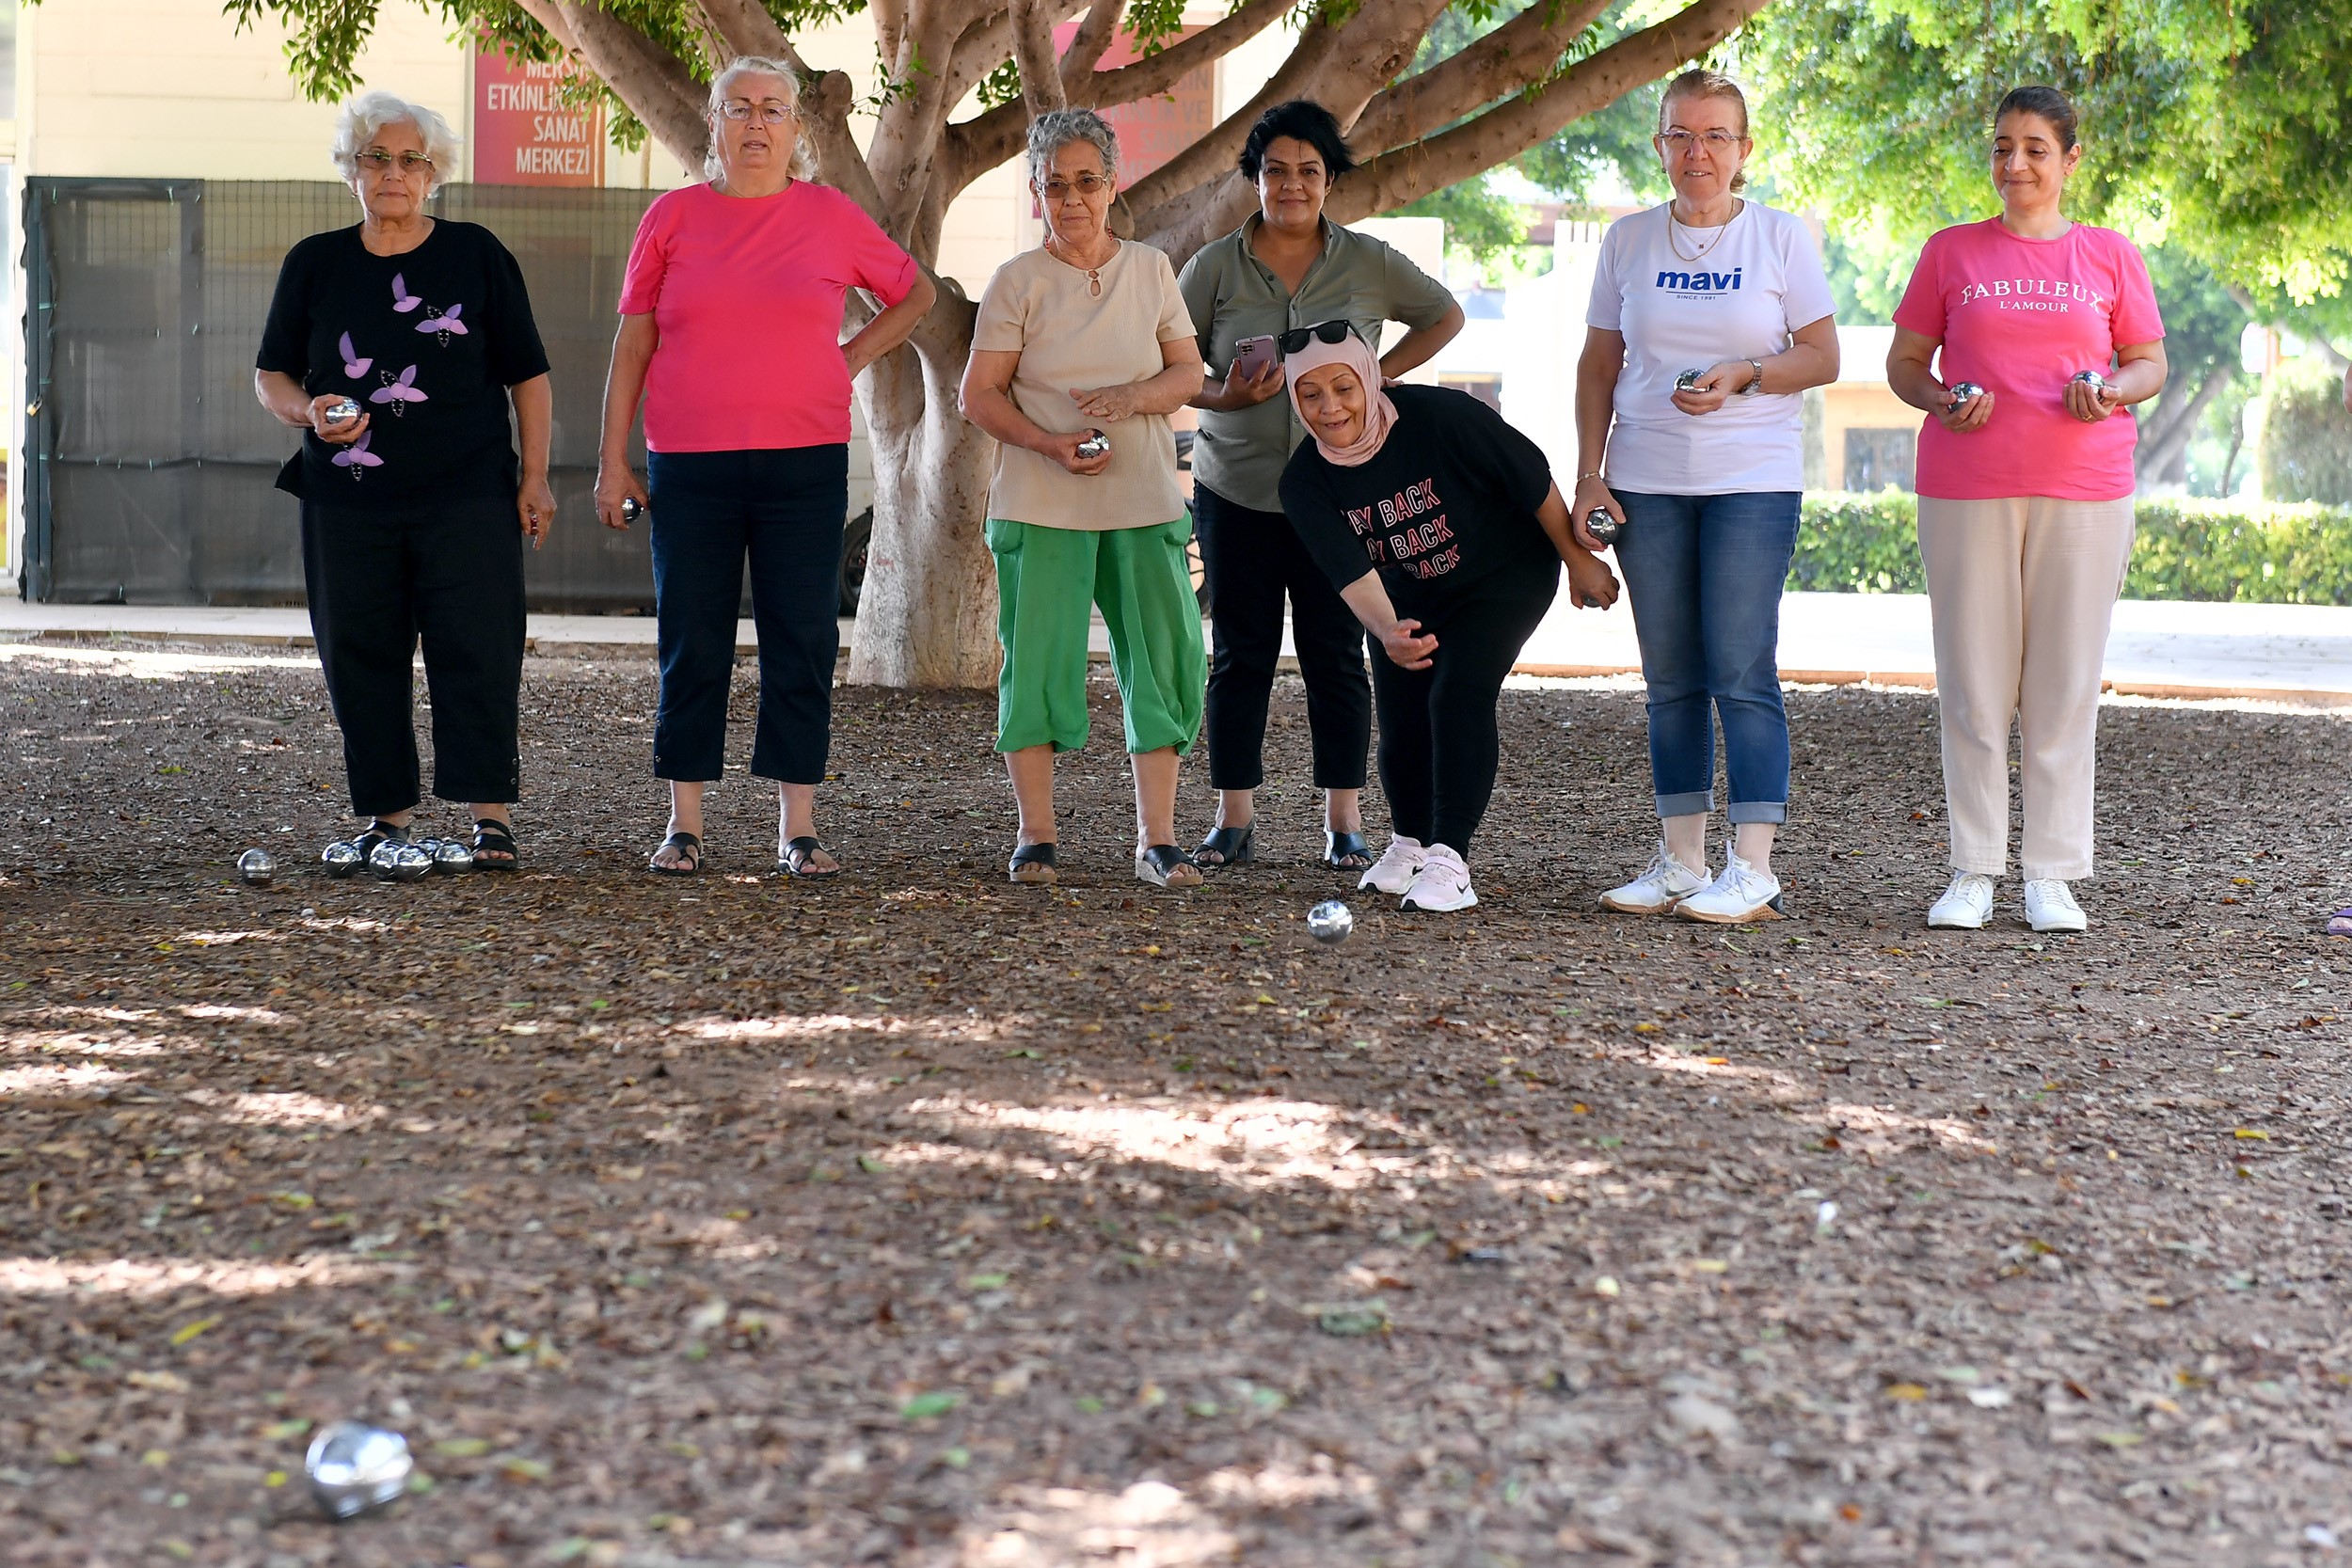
column 447, row 573
column 782, row 507
column 1438, row 742
column 1251, row 560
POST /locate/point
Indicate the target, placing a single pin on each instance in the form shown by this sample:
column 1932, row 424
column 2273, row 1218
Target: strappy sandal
column 1345, row 851
column 1229, row 845
column 798, row 853
column 690, row 845
column 494, row 837
column 1033, row 863
column 1164, row 865
column 378, row 832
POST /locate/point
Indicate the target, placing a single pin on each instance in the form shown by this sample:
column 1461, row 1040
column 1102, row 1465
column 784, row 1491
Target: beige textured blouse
column 1042, row 308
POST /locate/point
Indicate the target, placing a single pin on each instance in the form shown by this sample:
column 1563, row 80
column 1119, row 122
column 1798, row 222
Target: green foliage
column 2306, row 449
column 1479, row 219
column 2219, row 551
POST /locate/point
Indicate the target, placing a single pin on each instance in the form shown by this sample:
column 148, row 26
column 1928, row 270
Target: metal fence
column 149, row 467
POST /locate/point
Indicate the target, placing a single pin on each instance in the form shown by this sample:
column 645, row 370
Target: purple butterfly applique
column 443, row 322
column 357, row 457
column 354, row 363
column 403, row 301
column 400, row 393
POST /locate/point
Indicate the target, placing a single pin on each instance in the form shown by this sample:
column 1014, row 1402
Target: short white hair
column 723, row 85
column 364, row 117
column 1055, row 129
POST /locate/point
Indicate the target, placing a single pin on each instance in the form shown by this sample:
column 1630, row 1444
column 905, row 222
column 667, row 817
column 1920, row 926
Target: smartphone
column 1252, row 356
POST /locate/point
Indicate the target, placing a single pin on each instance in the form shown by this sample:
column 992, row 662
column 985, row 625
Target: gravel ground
column 917, row 1218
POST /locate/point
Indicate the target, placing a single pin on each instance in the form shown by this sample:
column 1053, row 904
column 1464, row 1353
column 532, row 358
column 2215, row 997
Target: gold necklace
column 1724, row 228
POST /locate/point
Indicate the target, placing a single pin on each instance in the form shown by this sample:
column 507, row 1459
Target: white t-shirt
column 1741, row 300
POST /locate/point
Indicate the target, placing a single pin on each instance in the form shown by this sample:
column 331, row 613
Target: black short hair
column 1306, row 121
column 2047, row 103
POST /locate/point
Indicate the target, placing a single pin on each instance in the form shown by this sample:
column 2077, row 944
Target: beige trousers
column 2022, row 591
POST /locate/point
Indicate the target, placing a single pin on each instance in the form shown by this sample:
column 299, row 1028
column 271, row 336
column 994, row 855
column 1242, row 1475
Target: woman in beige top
column 1082, row 350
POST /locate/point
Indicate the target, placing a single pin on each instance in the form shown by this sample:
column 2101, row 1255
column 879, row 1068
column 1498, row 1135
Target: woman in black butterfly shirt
column 1441, row 527
column 411, row 510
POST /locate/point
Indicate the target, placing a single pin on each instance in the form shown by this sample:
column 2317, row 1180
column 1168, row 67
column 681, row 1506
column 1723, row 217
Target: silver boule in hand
column 1602, row 526
column 342, row 413
column 255, row 867
column 1095, row 445
column 1960, row 392
column 1330, row 921
column 1688, row 381
column 631, row 509
column 354, row 1467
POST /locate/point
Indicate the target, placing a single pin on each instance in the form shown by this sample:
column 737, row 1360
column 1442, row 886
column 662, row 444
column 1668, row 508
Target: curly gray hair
column 722, row 87
column 364, row 117
column 1055, row 129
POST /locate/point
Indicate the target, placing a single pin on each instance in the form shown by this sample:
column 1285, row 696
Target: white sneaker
column 2050, row 907
column 1965, row 905
column 1662, row 884
column 1443, row 885
column 1398, row 865
column 1741, row 896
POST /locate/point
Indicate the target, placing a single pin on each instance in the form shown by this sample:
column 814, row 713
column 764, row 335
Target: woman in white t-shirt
column 1709, row 316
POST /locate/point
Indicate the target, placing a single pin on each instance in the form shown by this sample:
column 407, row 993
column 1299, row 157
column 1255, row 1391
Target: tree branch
column 1042, row 89
column 1093, row 37
column 1523, row 50
column 653, row 82
column 1509, row 129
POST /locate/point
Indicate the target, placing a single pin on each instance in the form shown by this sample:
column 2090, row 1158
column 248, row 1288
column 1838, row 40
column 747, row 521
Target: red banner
column 525, row 133
column 1154, row 131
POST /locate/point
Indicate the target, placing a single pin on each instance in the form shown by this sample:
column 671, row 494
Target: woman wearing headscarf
column 731, row 334
column 398, row 347
column 1081, row 350
column 1441, row 529
column 1284, row 267
column 2048, row 331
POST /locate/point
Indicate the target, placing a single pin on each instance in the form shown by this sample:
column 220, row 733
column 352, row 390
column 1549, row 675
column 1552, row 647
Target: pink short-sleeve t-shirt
column 2020, row 317
column 746, row 295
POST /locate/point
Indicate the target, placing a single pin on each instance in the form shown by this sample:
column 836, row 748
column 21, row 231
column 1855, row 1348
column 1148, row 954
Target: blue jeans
column 1705, row 573
column 782, row 507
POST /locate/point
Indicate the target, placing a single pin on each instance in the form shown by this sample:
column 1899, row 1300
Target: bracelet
column 1594, row 474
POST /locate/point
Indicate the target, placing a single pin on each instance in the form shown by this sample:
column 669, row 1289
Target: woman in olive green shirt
column 1286, row 268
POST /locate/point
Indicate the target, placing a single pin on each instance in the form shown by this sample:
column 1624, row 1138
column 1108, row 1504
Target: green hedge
column 2249, row 553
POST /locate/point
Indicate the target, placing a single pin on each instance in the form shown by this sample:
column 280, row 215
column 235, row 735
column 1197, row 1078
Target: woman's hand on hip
column 335, row 434
column 1108, row 403
column 615, row 484
column 1591, row 584
column 535, row 504
column 1714, row 385
column 1406, row 649
column 1063, row 450
column 1592, row 491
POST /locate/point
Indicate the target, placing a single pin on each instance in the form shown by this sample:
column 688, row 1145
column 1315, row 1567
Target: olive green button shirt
column 1233, row 295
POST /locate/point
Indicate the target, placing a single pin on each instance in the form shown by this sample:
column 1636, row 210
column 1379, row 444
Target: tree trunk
column 2163, row 456
column 927, row 615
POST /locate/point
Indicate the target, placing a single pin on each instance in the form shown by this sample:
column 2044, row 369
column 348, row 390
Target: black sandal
column 494, row 837
column 797, row 853
column 1033, row 863
column 685, row 844
column 1160, row 864
column 1345, row 851
column 1231, row 845
column 379, row 831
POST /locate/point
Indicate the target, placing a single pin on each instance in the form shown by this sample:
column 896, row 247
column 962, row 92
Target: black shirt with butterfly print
column 426, row 343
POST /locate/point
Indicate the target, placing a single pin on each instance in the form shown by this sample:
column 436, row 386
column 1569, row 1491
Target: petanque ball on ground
column 1330, row 921
column 255, row 867
column 354, row 1467
column 384, row 857
column 340, row 858
column 453, row 856
column 409, row 863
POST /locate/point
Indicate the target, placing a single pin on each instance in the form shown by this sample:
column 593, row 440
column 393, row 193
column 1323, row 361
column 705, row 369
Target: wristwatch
column 1756, row 384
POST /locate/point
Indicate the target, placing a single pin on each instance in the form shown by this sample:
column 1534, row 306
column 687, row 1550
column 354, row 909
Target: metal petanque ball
column 255, row 867
column 340, row 858
column 1602, row 526
column 1330, row 921
column 354, row 1467
column 342, row 413
column 1960, row 392
column 1688, row 381
column 2096, row 382
column 453, row 856
column 411, row 864
column 631, row 509
column 381, row 859
column 1095, row 445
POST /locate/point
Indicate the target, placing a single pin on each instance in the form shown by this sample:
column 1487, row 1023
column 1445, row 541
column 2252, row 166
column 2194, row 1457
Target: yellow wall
column 1858, row 405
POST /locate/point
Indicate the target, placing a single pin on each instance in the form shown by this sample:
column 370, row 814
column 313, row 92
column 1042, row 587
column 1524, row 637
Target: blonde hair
column 804, row 157
column 364, row 117
column 1699, row 82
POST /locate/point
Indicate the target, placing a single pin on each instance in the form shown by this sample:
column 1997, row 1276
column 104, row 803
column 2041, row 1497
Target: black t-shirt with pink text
column 1448, row 499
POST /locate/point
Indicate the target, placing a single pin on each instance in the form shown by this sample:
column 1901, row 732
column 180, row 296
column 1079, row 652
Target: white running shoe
column 1398, row 865
column 1662, row 884
column 1741, row 896
column 2050, row 907
column 1443, row 885
column 1965, row 905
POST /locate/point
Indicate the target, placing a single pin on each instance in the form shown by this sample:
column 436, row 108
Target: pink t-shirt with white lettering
column 746, row 295
column 2020, row 317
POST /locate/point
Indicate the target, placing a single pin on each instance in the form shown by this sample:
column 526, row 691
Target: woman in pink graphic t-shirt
column 2048, row 334
column 731, row 334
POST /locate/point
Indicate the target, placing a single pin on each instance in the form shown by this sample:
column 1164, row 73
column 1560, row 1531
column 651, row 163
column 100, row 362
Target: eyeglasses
column 380, row 161
column 768, row 114
column 1088, row 186
column 1681, row 142
column 1322, row 332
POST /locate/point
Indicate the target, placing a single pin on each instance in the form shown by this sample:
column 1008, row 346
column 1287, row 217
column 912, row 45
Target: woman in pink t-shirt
column 2049, row 332
column 731, row 334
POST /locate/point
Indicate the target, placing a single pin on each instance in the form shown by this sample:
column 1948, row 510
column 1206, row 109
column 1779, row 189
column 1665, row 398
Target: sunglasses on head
column 1326, row 332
